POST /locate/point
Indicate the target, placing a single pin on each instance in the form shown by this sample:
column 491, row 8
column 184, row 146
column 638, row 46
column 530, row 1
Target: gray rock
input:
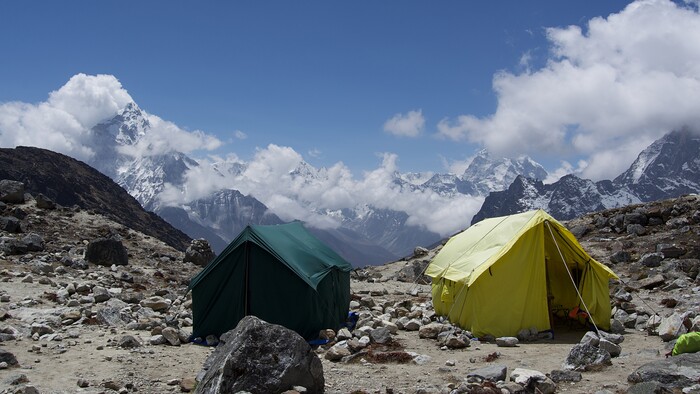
column 199, row 253
column 11, row 191
column 559, row 376
column 453, row 341
column 678, row 371
column 586, row 358
column 156, row 303
column 100, row 294
column 34, row 242
column 507, row 341
column 380, row 335
column 111, row 316
column 43, row 202
column 431, row 330
column 672, row 327
column 128, row 342
column 670, row 251
column 494, row 373
column 7, row 357
column 260, row 357
column 337, row 352
column 651, row 259
column 651, row 282
column 412, row 325
column 12, row 246
column 620, row 256
column 10, row 224
column 614, row 338
column 171, row 335
column 635, row 218
column 647, row 388
column 107, row 252
column 636, row 229
column 590, row 338
column 612, row 348
column 533, row 379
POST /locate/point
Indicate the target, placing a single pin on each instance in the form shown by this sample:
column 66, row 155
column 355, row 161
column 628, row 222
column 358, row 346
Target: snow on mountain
column 488, row 174
column 668, row 168
column 485, row 174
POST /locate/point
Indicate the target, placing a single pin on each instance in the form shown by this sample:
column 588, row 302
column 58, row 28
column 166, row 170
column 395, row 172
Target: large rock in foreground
column 674, row 372
column 259, row 357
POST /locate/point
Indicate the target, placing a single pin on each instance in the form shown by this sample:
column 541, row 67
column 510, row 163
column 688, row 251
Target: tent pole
column 246, row 307
column 580, row 297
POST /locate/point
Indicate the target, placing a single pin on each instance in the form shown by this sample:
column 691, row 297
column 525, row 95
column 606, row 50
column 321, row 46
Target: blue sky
column 324, row 78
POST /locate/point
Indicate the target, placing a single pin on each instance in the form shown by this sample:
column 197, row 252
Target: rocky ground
column 68, row 325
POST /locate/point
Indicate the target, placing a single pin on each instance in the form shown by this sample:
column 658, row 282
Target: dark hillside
column 70, row 182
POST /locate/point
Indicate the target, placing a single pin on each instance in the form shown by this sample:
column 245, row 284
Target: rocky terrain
column 75, row 319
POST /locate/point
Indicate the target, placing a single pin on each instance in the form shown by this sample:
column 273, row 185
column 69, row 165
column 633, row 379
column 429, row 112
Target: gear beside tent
column 280, row 273
column 515, row 272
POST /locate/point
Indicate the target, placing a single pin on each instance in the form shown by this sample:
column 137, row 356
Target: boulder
column 559, row 376
column 10, row 224
column 494, row 373
column 620, row 256
column 431, row 330
column 43, row 202
column 651, row 259
column 507, row 341
column 673, row 372
column 261, row 358
column 612, row 348
column 199, row 253
column 672, row 327
column 535, row 380
column 107, row 252
column 171, row 335
column 670, row 251
column 584, row 357
column 12, row 246
column 380, row 335
column 11, row 191
column 7, row 357
column 156, row 303
column 651, row 282
column 128, row 342
column 338, row 351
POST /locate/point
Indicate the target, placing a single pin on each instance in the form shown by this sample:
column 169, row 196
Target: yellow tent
column 508, row 273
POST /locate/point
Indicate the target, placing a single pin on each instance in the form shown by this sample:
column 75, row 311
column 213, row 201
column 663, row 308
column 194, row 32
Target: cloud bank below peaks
column 291, row 188
column 64, row 121
column 605, row 92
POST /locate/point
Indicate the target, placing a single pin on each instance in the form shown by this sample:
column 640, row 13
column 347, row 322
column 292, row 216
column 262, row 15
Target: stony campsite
column 68, row 325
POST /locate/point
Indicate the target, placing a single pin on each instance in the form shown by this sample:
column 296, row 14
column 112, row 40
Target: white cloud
column 62, row 123
column 240, row 135
column 165, row 136
column 280, row 178
column 408, row 125
column 630, row 77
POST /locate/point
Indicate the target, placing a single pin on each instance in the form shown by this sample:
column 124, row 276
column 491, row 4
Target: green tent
column 279, row 273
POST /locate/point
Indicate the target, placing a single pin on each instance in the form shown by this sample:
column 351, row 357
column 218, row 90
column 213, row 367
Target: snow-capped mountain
column 668, row 168
column 367, row 233
column 567, row 198
column 485, row 174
